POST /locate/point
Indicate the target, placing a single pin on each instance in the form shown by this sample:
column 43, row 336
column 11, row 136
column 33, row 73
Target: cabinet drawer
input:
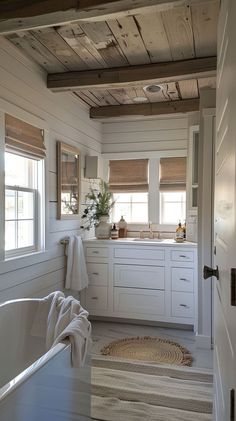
column 138, row 301
column 139, row 253
column 98, row 273
column 182, row 256
column 137, row 276
column 96, row 251
column 182, row 279
column 97, row 298
column 182, row 304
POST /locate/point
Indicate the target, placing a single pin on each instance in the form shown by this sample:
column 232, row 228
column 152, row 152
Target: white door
column 225, row 217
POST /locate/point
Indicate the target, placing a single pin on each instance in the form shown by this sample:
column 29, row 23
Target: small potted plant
column 96, row 213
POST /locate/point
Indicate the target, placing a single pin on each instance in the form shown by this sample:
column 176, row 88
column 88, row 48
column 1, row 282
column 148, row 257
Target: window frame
column 154, row 191
column 131, row 205
column 162, row 205
column 43, row 181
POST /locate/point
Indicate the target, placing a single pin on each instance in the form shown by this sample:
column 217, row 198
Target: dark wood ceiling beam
column 18, row 15
column 144, row 110
column 134, row 75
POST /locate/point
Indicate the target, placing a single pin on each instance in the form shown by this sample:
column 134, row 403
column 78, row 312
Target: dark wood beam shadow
column 133, row 75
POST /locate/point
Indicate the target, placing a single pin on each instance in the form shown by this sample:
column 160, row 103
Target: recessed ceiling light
column 140, row 99
column 152, row 89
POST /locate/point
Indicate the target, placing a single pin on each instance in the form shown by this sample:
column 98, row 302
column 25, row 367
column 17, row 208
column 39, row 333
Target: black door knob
column 209, row 272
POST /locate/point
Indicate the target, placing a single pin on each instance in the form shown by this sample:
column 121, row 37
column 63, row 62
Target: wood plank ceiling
column 180, row 33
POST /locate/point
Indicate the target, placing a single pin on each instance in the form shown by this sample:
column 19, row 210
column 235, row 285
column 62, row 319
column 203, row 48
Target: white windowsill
column 20, row 262
column 21, row 256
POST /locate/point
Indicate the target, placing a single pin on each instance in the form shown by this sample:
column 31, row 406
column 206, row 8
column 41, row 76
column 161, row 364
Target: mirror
column 68, row 169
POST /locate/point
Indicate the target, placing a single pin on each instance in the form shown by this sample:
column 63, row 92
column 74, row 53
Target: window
column 152, row 189
column 23, row 188
column 133, row 206
column 172, row 207
column 128, row 180
column 172, row 190
column 20, row 202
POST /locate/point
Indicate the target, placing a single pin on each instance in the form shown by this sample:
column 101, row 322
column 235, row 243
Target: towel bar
column 65, row 241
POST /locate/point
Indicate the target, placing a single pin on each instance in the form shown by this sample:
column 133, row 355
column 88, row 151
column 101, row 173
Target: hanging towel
column 76, row 274
column 71, row 323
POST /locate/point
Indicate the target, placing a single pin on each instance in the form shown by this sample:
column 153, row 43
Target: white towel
column 76, row 274
column 67, row 319
column 55, row 298
column 40, row 326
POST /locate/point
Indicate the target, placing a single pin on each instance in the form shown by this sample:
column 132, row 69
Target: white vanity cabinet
column 144, row 281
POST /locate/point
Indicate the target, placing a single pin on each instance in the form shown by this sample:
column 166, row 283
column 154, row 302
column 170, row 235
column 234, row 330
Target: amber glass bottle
column 179, row 234
column 122, row 225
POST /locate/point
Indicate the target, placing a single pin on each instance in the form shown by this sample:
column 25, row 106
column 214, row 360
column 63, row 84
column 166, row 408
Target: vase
column 103, row 229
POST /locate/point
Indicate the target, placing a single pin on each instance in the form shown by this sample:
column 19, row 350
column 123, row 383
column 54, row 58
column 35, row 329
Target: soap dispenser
column 114, row 232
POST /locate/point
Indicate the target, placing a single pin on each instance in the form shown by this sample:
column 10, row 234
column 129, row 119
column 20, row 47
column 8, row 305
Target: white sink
column 150, row 240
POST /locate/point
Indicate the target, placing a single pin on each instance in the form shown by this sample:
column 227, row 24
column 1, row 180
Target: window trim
column 162, row 205
column 43, row 181
column 41, row 216
column 154, row 196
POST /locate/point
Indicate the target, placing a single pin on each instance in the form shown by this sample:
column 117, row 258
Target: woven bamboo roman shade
column 128, row 176
column 24, row 139
column 172, row 174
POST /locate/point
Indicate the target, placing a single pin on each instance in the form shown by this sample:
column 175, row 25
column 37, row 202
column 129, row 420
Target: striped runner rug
column 124, row 390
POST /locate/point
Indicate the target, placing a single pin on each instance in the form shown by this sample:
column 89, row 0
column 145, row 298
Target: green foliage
column 98, row 203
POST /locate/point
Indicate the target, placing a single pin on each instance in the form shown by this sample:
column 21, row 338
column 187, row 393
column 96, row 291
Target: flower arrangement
column 98, row 203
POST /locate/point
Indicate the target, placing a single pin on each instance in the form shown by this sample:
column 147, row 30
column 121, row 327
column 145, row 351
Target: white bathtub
column 36, row 385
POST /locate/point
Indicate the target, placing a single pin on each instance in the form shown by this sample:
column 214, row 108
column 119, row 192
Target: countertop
column 138, row 241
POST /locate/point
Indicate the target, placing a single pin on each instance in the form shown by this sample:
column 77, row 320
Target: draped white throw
column 68, row 319
column 59, row 318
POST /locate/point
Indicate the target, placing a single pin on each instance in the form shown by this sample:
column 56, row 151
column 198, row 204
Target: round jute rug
column 149, row 349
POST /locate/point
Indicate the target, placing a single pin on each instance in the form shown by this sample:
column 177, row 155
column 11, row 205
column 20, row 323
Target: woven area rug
column 124, row 390
column 151, row 349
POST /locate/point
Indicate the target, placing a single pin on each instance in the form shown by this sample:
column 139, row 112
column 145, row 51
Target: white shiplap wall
column 160, row 134
column 23, row 90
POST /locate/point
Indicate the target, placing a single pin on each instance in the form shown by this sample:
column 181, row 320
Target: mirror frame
column 64, row 147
